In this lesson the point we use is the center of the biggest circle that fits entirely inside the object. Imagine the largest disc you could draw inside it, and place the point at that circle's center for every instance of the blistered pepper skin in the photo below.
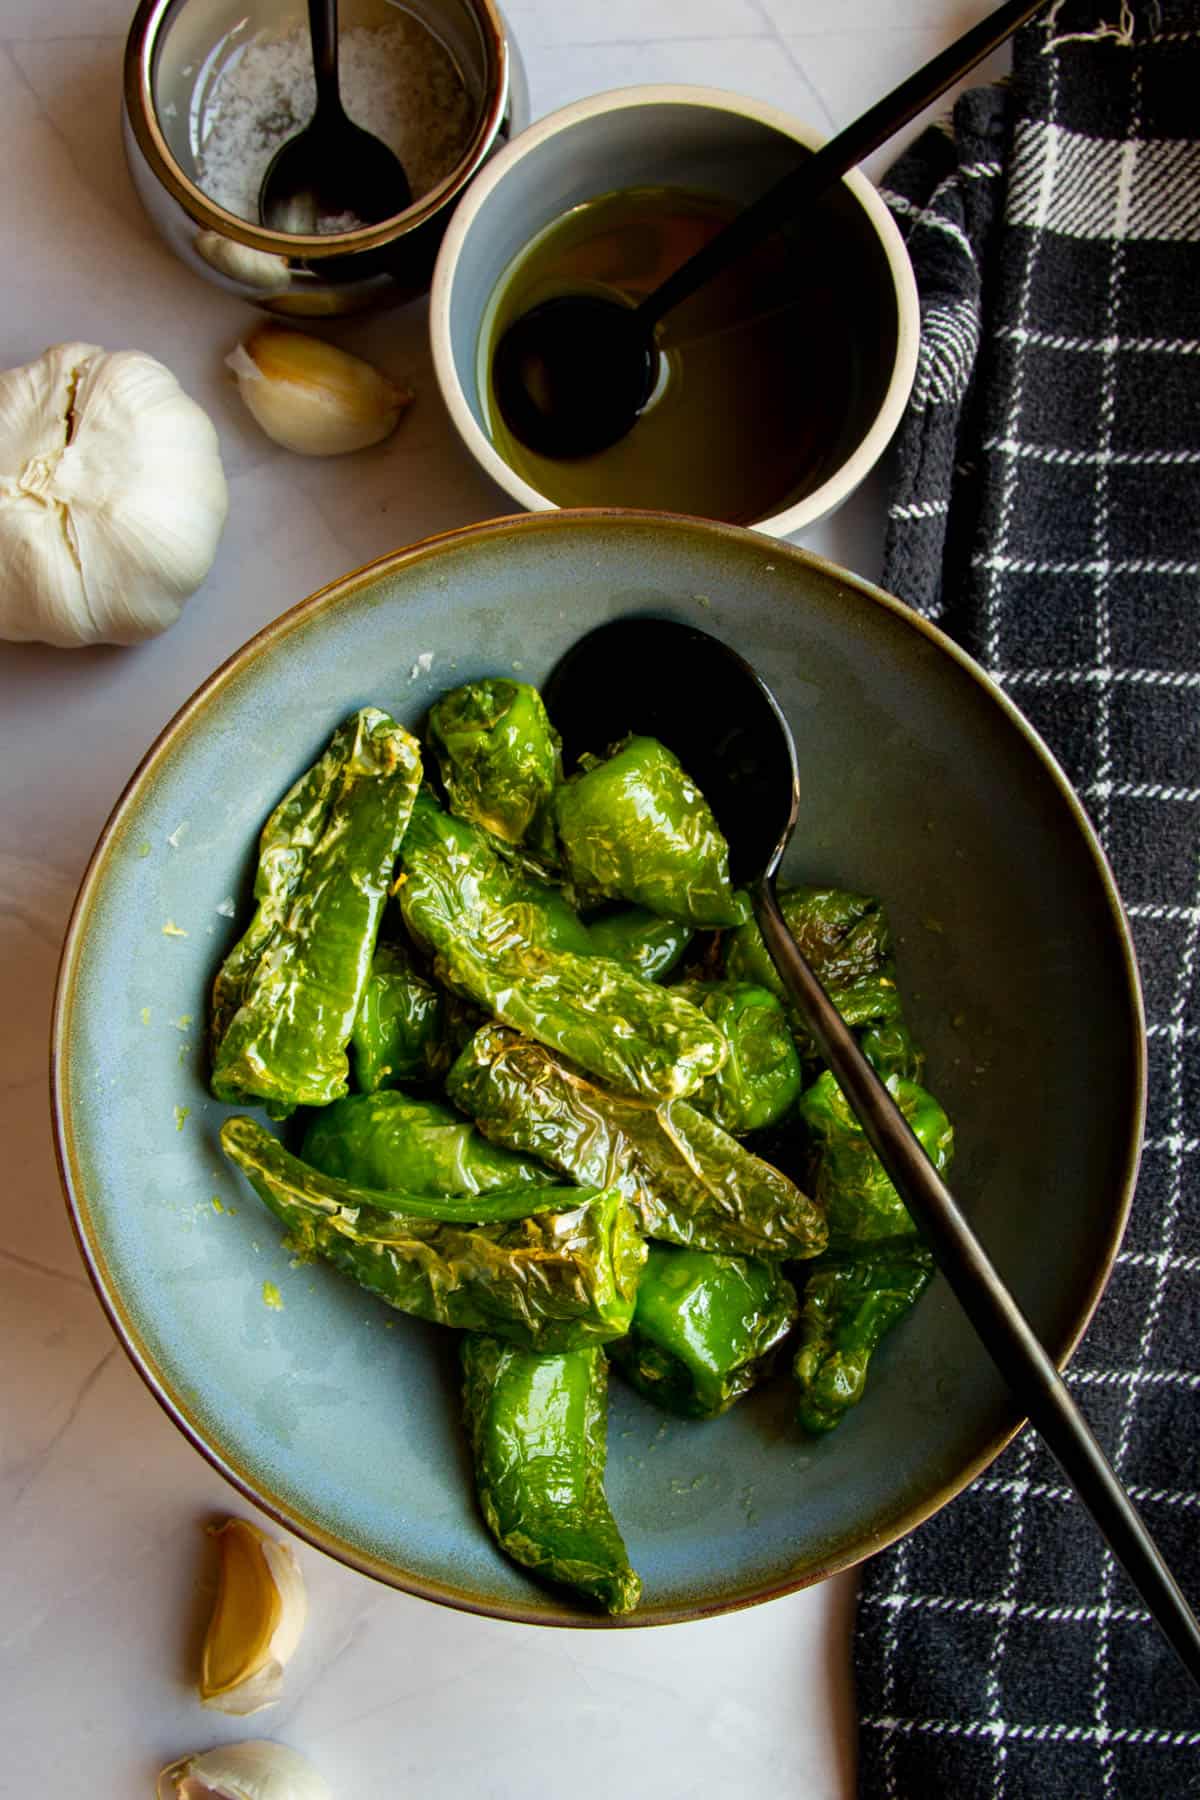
(556, 1268)
(286, 998)
(705, 1329)
(690, 1182)
(461, 900)
(845, 938)
(394, 1142)
(634, 826)
(537, 1430)
(761, 1079)
(499, 758)
(850, 1302)
(849, 1182)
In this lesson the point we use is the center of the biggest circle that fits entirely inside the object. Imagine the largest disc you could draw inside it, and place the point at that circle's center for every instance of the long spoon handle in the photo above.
(323, 30)
(797, 190)
(992, 1310)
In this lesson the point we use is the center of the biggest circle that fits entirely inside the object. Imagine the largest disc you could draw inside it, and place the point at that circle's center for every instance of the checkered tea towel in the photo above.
(1046, 512)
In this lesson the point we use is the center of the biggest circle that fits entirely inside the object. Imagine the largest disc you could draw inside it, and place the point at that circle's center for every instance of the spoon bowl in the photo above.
(332, 175)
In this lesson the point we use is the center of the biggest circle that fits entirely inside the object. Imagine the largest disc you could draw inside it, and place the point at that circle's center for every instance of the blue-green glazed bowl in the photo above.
(921, 783)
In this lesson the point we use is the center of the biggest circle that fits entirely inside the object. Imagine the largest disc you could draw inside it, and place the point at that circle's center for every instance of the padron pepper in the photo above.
(850, 1301)
(690, 1182)
(537, 1431)
(845, 938)
(644, 941)
(286, 997)
(553, 1269)
(392, 1141)
(705, 1329)
(400, 1029)
(634, 826)
(461, 900)
(761, 1078)
(849, 1182)
(890, 1049)
(499, 758)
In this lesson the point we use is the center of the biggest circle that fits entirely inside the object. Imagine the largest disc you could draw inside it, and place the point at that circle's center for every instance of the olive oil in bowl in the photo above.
(768, 374)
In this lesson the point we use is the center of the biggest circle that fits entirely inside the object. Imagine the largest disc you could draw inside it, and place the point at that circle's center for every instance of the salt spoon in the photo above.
(332, 174)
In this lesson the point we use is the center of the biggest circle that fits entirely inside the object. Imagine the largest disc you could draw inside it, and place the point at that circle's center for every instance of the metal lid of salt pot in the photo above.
(293, 275)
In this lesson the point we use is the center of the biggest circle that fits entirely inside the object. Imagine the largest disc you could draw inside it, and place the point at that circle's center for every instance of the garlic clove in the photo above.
(310, 396)
(255, 1770)
(256, 1623)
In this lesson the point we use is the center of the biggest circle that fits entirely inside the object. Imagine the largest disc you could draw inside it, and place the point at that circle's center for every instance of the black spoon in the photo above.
(725, 725)
(332, 170)
(572, 374)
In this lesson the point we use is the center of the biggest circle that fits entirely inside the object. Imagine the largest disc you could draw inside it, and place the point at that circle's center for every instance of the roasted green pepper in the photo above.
(537, 1429)
(499, 758)
(286, 997)
(643, 940)
(845, 938)
(849, 1303)
(689, 1181)
(634, 826)
(890, 1050)
(849, 1181)
(400, 1031)
(704, 1328)
(391, 1141)
(556, 1269)
(761, 1078)
(461, 900)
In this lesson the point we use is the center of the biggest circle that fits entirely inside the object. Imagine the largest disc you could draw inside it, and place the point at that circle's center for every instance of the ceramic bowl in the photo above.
(177, 53)
(921, 784)
(713, 141)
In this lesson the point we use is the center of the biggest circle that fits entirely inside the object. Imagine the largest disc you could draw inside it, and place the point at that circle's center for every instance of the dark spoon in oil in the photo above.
(572, 374)
(726, 727)
(333, 169)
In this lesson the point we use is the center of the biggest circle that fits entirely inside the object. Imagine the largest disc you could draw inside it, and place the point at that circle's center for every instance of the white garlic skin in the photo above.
(254, 1770)
(265, 1685)
(312, 397)
(112, 497)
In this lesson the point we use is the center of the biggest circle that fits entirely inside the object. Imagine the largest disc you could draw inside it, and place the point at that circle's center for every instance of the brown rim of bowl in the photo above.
(138, 88)
(444, 1593)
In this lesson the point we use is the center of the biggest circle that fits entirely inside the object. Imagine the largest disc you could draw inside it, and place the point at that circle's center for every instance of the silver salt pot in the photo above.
(175, 51)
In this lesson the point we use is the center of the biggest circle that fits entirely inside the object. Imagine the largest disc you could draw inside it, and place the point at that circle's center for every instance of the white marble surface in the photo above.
(104, 1573)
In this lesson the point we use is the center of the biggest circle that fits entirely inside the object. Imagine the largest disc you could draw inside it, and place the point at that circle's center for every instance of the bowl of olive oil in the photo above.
(779, 383)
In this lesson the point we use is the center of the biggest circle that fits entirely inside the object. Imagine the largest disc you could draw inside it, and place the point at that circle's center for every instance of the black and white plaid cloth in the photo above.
(1047, 513)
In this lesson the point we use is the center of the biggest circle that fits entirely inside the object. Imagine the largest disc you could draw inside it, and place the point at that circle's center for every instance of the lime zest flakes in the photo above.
(218, 1205)
(171, 929)
(272, 1296)
(144, 847)
(182, 1022)
(181, 1114)
(145, 1015)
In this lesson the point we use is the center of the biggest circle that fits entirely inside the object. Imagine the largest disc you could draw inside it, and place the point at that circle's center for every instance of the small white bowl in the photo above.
(695, 137)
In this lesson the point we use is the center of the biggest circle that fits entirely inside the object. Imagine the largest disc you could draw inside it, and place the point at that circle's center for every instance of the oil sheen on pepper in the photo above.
(761, 368)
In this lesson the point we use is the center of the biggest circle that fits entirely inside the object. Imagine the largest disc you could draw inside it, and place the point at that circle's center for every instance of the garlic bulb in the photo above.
(256, 1622)
(255, 1770)
(312, 397)
(112, 497)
